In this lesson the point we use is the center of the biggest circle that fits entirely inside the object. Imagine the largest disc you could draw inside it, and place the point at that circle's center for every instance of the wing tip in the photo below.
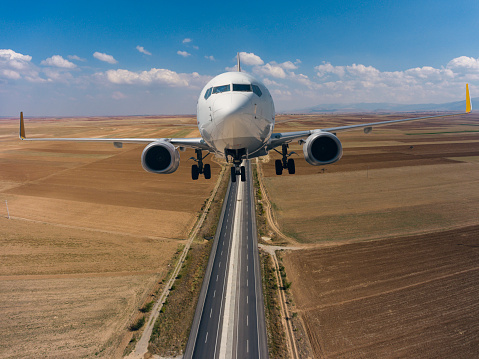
(468, 100)
(22, 127)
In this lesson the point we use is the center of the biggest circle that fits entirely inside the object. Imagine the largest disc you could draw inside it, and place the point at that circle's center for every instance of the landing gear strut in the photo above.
(237, 169)
(285, 162)
(199, 168)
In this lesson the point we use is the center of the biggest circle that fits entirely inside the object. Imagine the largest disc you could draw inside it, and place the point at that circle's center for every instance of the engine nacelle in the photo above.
(322, 148)
(160, 157)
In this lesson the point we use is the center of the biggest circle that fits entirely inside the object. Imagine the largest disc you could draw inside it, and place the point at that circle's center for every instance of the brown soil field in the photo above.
(410, 297)
(395, 181)
(390, 236)
(90, 235)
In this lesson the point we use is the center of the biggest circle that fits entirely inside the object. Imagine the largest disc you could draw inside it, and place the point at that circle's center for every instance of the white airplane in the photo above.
(236, 117)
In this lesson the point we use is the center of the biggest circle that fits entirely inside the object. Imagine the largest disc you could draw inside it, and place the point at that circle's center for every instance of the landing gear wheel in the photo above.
(207, 171)
(195, 172)
(233, 174)
(279, 167)
(243, 174)
(291, 167)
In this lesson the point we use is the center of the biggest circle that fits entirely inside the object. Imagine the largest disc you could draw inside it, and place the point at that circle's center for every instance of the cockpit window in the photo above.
(220, 89)
(242, 88)
(208, 93)
(256, 90)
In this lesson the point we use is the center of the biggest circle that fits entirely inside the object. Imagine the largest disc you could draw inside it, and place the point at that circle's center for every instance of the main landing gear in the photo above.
(285, 162)
(199, 168)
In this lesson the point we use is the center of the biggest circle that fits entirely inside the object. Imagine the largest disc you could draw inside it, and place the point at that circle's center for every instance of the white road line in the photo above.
(219, 265)
(247, 345)
(247, 300)
(211, 311)
(206, 337)
(247, 320)
(217, 277)
(246, 282)
(214, 293)
(247, 268)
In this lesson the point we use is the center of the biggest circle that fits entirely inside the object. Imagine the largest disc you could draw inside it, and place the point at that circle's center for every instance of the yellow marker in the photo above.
(468, 100)
(22, 127)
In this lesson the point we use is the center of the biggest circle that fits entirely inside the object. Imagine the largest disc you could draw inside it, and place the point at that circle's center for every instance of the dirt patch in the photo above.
(405, 297)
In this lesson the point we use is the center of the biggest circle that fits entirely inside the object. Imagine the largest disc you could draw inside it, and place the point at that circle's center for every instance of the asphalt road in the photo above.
(229, 320)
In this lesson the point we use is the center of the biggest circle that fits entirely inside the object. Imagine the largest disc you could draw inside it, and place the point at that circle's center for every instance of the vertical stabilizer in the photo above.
(239, 64)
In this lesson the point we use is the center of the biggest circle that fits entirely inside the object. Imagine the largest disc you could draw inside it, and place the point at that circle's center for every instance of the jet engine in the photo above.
(322, 148)
(160, 157)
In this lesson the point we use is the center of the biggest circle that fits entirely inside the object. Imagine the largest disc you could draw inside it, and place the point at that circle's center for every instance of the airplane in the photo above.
(236, 117)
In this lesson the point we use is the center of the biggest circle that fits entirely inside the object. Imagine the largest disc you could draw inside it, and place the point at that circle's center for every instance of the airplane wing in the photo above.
(277, 139)
(196, 143)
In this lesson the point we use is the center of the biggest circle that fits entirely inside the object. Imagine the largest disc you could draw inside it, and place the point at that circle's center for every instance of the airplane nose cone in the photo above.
(230, 104)
(232, 115)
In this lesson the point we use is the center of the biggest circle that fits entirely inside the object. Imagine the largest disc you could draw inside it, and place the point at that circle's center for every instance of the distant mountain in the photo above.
(387, 107)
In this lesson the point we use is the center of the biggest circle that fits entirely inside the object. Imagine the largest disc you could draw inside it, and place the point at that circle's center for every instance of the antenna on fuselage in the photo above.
(239, 65)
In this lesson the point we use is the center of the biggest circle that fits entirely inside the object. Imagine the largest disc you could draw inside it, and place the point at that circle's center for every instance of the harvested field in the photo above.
(388, 183)
(410, 297)
(90, 235)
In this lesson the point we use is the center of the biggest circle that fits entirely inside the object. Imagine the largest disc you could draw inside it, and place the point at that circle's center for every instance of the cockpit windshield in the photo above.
(220, 89)
(236, 88)
(242, 87)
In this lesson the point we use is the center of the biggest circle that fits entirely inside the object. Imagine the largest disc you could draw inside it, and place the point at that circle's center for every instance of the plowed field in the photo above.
(411, 297)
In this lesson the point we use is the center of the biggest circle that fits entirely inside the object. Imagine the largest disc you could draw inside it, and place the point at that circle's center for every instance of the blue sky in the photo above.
(153, 57)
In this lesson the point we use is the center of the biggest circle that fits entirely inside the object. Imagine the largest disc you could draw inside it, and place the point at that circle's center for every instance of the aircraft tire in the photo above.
(195, 172)
(279, 167)
(207, 171)
(291, 167)
(243, 174)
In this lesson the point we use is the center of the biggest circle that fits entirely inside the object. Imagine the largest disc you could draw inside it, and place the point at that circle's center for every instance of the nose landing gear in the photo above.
(238, 170)
(199, 168)
(285, 162)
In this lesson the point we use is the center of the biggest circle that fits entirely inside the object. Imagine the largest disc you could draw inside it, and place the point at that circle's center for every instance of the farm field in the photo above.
(389, 239)
(395, 181)
(91, 233)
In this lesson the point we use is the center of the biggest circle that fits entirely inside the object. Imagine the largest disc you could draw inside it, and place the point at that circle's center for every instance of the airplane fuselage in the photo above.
(236, 113)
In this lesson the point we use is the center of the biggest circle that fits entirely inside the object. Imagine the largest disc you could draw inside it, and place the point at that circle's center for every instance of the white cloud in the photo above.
(14, 59)
(248, 58)
(158, 76)
(210, 58)
(183, 53)
(142, 50)
(75, 57)
(104, 57)
(117, 95)
(10, 74)
(58, 61)
(57, 75)
(154, 76)
(270, 69)
(187, 40)
(288, 65)
(14, 66)
(464, 63)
